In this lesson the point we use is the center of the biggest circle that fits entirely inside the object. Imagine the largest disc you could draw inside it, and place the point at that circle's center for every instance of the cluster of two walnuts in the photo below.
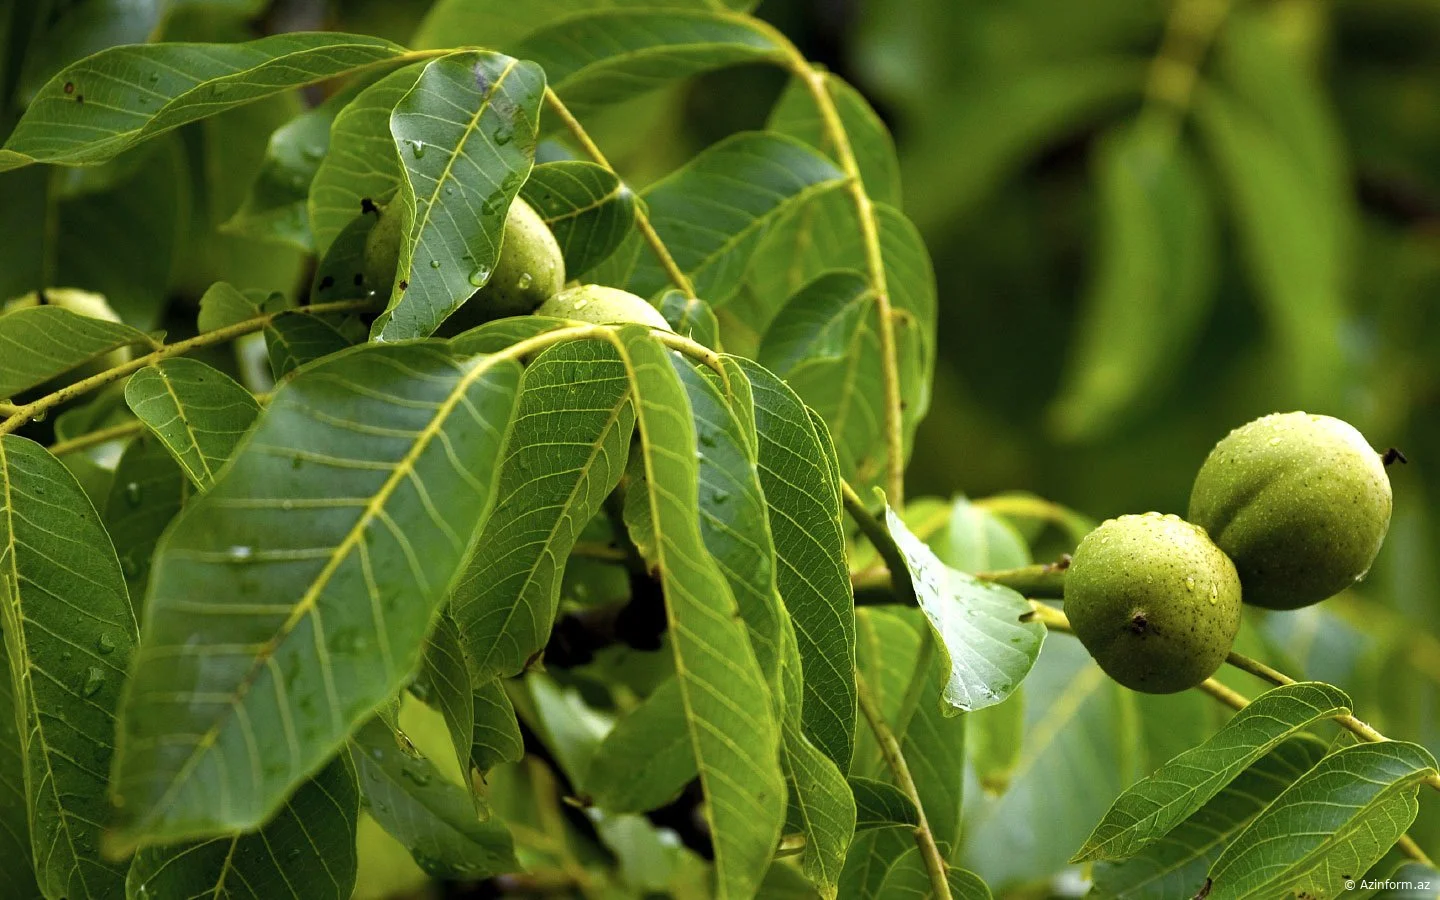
(529, 277)
(1286, 511)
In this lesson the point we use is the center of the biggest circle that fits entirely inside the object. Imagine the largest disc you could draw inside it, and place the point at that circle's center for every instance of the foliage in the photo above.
(308, 596)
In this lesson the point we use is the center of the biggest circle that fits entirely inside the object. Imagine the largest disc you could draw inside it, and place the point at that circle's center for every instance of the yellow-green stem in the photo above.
(28, 411)
(895, 759)
(99, 436)
(642, 221)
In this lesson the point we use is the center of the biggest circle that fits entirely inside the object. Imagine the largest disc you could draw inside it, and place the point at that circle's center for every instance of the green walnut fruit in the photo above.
(1300, 502)
(1155, 602)
(602, 306)
(530, 270)
(382, 250)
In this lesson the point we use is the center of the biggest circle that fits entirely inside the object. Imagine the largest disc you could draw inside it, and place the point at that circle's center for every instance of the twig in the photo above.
(1175, 69)
(642, 221)
(895, 759)
(219, 336)
(99, 436)
(1043, 580)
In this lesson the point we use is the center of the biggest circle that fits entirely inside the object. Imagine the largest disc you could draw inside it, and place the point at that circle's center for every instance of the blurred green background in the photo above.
(1150, 222)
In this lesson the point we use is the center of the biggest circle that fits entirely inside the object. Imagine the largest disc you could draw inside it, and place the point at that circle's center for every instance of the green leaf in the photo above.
(140, 222)
(466, 136)
(795, 114)
(147, 492)
(804, 500)
(444, 683)
(1082, 747)
(276, 206)
(691, 317)
(306, 852)
(573, 423)
(607, 56)
(1152, 283)
(197, 411)
(988, 644)
(587, 207)
(502, 24)
(993, 737)
(432, 816)
(1298, 261)
(16, 866)
(295, 339)
(42, 342)
(1175, 865)
(879, 804)
(713, 212)
(496, 738)
(908, 878)
(647, 758)
(362, 162)
(975, 540)
(1152, 807)
(97, 107)
(293, 598)
(1003, 119)
(69, 635)
(1336, 820)
(735, 735)
(224, 304)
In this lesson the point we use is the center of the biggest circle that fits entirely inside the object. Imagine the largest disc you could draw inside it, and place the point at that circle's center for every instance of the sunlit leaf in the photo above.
(587, 207)
(432, 816)
(466, 136)
(95, 108)
(41, 342)
(69, 635)
(1335, 821)
(306, 851)
(565, 453)
(986, 640)
(797, 115)
(1152, 807)
(293, 597)
(1175, 865)
(197, 411)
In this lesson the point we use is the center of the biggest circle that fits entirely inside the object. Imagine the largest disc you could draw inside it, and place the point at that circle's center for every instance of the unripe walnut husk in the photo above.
(602, 306)
(1155, 602)
(529, 270)
(1300, 502)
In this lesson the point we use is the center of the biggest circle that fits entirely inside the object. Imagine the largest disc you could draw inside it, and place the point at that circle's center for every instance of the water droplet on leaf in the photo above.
(94, 680)
(479, 276)
(105, 643)
(132, 493)
(239, 553)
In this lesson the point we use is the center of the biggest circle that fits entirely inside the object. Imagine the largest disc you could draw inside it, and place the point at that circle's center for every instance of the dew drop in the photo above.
(581, 303)
(1273, 441)
(707, 439)
(434, 263)
(94, 680)
(40, 416)
(239, 553)
(417, 148)
(105, 643)
(1190, 582)
(287, 504)
(479, 275)
(153, 77)
(719, 497)
(524, 281)
(417, 775)
(502, 136)
(132, 493)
